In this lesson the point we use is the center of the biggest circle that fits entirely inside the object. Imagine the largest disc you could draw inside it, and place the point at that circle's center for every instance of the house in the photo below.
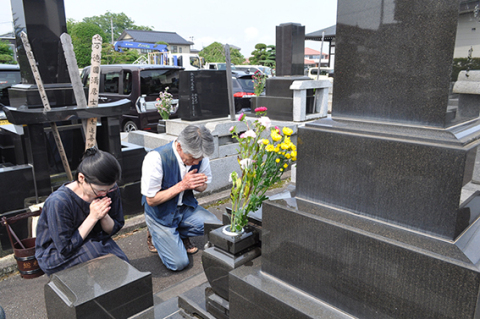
(313, 56)
(176, 44)
(328, 36)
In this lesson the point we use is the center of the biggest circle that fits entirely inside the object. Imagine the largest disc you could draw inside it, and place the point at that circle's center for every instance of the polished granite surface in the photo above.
(393, 60)
(367, 268)
(103, 287)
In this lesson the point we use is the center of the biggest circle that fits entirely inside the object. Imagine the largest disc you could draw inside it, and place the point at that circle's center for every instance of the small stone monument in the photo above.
(105, 287)
(203, 95)
(289, 96)
(377, 229)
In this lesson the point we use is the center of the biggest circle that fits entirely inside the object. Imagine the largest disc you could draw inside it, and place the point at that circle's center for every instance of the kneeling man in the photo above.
(170, 173)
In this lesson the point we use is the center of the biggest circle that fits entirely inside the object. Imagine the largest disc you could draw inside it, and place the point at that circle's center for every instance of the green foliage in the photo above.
(70, 23)
(460, 64)
(6, 53)
(259, 81)
(120, 22)
(82, 33)
(110, 56)
(215, 52)
(263, 55)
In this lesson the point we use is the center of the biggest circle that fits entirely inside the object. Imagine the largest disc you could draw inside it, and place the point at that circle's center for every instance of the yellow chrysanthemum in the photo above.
(270, 148)
(281, 169)
(285, 165)
(277, 160)
(275, 136)
(287, 156)
(294, 159)
(293, 147)
(287, 131)
(277, 148)
(294, 153)
(284, 146)
(265, 141)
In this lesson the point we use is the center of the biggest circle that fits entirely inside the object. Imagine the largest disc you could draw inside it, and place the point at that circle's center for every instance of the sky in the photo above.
(240, 23)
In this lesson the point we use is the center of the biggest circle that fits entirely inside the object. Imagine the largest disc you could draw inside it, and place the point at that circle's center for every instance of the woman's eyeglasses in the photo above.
(99, 192)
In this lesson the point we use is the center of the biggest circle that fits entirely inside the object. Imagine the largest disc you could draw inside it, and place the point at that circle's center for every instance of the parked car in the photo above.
(243, 90)
(254, 68)
(141, 84)
(218, 66)
(325, 73)
(9, 75)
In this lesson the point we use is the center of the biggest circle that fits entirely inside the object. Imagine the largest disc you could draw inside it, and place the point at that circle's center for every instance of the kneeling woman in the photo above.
(79, 219)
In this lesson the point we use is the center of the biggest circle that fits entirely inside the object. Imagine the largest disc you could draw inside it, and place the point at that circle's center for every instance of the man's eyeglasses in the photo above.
(99, 192)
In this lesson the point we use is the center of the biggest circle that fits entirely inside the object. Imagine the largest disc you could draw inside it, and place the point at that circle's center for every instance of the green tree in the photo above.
(70, 23)
(6, 53)
(110, 56)
(215, 52)
(263, 55)
(120, 23)
(82, 33)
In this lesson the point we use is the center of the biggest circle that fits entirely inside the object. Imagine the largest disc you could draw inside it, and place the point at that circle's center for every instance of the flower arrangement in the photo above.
(164, 104)
(259, 81)
(262, 162)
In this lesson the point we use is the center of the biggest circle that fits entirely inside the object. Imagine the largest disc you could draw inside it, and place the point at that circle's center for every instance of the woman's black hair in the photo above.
(99, 167)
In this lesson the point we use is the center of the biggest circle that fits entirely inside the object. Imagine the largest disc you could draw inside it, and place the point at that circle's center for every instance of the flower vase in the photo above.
(253, 103)
(162, 126)
(226, 231)
(228, 251)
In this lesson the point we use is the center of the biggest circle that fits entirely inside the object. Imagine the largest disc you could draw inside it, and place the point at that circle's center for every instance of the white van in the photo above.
(218, 66)
(325, 73)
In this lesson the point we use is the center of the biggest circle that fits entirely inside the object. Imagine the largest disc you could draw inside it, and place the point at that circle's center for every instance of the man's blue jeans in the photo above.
(188, 222)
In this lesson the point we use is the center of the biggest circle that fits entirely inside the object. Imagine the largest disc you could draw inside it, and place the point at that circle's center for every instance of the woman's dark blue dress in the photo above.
(59, 244)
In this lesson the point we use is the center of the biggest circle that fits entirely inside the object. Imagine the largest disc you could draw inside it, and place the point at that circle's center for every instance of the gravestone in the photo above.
(104, 287)
(290, 49)
(377, 229)
(279, 98)
(203, 95)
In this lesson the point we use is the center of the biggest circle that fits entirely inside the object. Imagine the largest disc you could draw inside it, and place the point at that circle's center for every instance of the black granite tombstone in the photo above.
(278, 98)
(105, 287)
(203, 95)
(290, 49)
(377, 229)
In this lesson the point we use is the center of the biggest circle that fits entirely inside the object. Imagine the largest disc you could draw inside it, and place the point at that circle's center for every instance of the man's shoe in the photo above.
(189, 246)
(150, 246)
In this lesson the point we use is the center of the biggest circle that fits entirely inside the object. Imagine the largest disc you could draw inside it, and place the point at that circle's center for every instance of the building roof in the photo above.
(317, 35)
(7, 35)
(154, 36)
(308, 62)
(309, 51)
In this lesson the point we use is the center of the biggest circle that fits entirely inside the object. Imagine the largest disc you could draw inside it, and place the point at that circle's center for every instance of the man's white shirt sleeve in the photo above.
(152, 174)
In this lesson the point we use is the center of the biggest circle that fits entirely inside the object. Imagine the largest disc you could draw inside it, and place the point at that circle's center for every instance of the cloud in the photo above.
(251, 33)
